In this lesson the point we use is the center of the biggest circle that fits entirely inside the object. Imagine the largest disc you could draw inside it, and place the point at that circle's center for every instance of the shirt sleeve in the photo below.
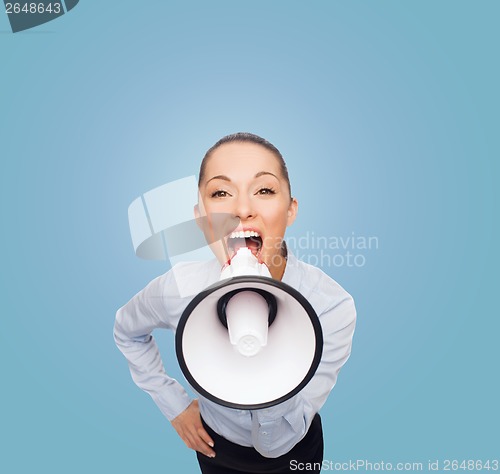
(275, 430)
(133, 329)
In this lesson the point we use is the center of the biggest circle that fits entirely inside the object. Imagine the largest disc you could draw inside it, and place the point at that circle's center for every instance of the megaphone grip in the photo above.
(224, 300)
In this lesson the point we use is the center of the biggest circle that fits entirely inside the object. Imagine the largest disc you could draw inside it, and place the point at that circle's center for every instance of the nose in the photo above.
(243, 208)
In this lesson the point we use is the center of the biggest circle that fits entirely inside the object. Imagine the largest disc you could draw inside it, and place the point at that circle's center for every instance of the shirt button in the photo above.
(264, 433)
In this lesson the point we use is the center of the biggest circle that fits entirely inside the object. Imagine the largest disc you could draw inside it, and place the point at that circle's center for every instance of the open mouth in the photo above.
(245, 238)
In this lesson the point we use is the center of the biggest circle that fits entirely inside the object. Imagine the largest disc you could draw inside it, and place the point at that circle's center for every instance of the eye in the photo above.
(266, 191)
(219, 194)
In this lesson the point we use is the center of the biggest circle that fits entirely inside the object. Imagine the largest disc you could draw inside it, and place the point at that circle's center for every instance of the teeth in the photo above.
(244, 234)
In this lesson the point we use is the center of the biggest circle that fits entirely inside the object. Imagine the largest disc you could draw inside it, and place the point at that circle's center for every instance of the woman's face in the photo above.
(244, 180)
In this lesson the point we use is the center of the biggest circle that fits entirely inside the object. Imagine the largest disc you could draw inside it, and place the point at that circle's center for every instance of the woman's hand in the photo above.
(188, 426)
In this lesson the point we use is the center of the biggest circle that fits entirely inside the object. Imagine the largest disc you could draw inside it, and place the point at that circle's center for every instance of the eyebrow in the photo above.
(262, 173)
(258, 175)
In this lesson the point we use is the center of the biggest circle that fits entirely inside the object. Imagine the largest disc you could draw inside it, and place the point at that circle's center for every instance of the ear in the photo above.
(292, 212)
(197, 216)
(199, 212)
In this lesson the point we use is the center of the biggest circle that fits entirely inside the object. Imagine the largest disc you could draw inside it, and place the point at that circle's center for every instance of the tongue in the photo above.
(249, 243)
(253, 245)
(238, 244)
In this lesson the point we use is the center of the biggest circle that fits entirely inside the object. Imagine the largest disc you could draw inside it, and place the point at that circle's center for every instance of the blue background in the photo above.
(387, 114)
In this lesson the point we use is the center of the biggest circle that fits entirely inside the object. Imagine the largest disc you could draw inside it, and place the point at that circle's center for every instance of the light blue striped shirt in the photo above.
(271, 431)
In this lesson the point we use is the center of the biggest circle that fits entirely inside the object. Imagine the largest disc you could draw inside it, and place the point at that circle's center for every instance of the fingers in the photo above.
(188, 426)
(205, 437)
(200, 441)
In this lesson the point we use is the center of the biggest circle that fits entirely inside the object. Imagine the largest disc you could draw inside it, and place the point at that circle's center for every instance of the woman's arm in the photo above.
(133, 329)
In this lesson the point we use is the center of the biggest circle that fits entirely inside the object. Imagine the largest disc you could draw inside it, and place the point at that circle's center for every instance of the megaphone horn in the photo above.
(249, 342)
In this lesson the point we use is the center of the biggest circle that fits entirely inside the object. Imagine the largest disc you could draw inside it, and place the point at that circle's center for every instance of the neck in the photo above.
(277, 271)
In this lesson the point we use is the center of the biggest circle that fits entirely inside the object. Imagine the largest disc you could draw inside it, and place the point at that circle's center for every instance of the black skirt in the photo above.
(233, 459)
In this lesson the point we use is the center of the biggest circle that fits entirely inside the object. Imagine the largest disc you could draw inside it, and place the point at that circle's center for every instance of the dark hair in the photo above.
(244, 137)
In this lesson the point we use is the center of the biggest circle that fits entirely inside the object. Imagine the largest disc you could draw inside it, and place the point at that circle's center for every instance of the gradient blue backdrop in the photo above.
(387, 113)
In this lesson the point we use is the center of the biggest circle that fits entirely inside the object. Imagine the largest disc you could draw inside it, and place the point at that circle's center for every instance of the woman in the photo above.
(245, 176)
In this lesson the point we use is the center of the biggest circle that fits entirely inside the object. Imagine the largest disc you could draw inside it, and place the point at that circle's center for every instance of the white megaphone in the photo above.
(248, 341)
